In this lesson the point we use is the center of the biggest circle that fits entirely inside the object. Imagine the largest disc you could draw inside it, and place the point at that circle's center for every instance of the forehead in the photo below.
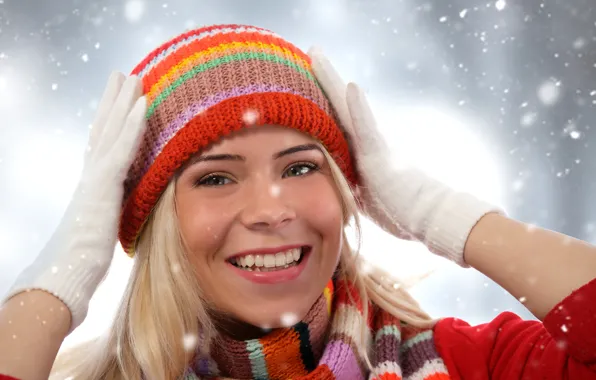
(267, 137)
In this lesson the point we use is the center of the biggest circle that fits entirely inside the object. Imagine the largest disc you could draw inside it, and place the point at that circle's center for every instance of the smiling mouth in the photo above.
(270, 262)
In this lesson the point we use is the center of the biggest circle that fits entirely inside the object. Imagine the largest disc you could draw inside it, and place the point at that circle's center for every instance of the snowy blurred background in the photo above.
(495, 97)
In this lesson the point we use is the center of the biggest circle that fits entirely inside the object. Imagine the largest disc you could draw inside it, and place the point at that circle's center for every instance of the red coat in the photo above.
(563, 347)
(509, 348)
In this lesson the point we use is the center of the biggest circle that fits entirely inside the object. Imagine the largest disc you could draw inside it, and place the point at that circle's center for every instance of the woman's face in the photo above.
(262, 224)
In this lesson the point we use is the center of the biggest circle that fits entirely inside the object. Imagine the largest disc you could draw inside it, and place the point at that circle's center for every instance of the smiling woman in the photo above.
(230, 165)
(244, 187)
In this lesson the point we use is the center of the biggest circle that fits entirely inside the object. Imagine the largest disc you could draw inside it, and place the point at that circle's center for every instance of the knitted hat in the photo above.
(204, 85)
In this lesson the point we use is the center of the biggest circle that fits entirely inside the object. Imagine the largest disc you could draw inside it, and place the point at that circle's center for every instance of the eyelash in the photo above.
(311, 167)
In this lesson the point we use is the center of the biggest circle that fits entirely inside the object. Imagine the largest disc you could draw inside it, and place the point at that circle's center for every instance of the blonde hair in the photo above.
(148, 341)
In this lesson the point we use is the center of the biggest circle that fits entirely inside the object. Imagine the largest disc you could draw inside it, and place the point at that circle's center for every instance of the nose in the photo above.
(266, 208)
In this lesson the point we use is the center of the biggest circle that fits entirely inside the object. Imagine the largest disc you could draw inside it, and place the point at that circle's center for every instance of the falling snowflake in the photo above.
(85, 58)
(500, 5)
(289, 319)
(517, 185)
(275, 190)
(190, 342)
(365, 267)
(571, 130)
(579, 43)
(528, 119)
(413, 65)
(549, 92)
(134, 10)
(463, 13)
(250, 117)
(190, 24)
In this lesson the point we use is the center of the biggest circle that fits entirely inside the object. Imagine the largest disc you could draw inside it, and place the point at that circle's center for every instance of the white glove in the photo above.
(79, 253)
(402, 200)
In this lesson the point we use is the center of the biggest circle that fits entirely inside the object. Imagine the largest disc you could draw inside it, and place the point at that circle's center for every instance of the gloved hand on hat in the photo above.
(79, 253)
(402, 200)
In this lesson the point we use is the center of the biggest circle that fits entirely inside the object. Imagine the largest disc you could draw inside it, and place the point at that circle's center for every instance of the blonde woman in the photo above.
(229, 165)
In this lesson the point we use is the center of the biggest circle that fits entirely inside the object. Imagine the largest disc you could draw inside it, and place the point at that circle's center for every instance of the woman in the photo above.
(234, 205)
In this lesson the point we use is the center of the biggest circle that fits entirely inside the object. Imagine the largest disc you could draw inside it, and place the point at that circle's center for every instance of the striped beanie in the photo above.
(212, 81)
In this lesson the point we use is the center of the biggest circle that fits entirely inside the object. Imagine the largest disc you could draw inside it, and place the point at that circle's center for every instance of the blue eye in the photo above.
(213, 180)
(300, 169)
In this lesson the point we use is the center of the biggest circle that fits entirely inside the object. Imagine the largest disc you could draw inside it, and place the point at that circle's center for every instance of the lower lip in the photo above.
(274, 277)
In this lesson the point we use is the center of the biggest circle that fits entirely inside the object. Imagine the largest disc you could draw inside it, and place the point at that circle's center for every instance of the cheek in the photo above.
(201, 232)
(320, 205)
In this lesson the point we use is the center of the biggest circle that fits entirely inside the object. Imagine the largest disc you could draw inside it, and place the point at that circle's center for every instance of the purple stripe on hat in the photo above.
(166, 134)
(341, 360)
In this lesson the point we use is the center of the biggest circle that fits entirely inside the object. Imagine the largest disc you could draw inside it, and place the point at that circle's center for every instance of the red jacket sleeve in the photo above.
(4, 377)
(561, 347)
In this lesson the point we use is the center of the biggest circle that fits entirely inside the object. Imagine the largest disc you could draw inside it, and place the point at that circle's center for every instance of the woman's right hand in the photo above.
(79, 253)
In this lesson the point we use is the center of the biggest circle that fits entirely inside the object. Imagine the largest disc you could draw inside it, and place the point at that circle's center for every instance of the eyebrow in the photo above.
(295, 149)
(237, 157)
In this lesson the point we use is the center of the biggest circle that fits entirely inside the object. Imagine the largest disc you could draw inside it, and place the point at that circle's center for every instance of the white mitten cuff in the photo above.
(71, 283)
(449, 225)
(75, 259)
(432, 212)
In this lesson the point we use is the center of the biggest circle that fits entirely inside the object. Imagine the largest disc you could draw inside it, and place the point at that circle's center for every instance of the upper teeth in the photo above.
(279, 259)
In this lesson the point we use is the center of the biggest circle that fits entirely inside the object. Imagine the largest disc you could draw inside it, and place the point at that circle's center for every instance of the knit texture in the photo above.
(209, 82)
(323, 346)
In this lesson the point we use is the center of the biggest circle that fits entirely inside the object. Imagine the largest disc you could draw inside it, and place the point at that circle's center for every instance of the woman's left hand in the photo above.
(400, 199)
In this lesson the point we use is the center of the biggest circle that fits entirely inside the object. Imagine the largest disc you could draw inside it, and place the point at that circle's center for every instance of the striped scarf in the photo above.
(323, 346)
